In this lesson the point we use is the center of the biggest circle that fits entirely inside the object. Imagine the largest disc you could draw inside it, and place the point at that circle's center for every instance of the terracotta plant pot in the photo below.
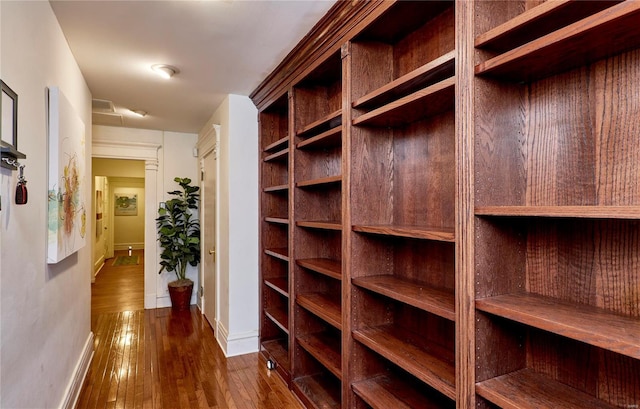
(180, 294)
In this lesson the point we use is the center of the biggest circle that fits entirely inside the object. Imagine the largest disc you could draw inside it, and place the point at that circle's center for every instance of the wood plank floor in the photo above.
(163, 359)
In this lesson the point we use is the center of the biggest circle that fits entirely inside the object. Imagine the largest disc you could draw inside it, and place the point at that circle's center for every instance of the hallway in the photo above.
(163, 359)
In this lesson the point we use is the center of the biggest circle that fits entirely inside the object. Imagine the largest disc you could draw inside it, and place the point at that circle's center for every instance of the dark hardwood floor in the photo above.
(163, 359)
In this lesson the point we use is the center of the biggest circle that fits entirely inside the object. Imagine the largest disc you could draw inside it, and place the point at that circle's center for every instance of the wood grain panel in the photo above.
(528, 390)
(590, 325)
(428, 368)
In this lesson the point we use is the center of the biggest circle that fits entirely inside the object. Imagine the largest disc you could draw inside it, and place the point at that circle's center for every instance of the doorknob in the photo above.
(212, 252)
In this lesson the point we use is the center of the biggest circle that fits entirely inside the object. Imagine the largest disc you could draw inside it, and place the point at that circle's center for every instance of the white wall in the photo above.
(177, 152)
(45, 310)
(238, 314)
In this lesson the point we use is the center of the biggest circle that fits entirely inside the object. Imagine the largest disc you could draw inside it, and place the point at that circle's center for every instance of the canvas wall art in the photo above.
(67, 215)
(126, 204)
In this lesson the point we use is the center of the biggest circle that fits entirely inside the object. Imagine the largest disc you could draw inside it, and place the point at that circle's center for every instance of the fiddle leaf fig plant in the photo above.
(179, 230)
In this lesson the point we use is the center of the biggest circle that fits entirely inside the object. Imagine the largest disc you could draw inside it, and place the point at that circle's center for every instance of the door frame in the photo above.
(207, 144)
(147, 152)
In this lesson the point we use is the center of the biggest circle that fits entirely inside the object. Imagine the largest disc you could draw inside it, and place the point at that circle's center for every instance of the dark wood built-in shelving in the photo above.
(324, 266)
(279, 284)
(278, 350)
(429, 101)
(383, 392)
(323, 307)
(438, 69)
(280, 155)
(584, 323)
(419, 295)
(574, 45)
(320, 225)
(329, 121)
(539, 21)
(323, 390)
(450, 208)
(320, 181)
(276, 189)
(526, 389)
(428, 368)
(416, 232)
(279, 317)
(330, 138)
(580, 212)
(281, 253)
(325, 349)
(278, 220)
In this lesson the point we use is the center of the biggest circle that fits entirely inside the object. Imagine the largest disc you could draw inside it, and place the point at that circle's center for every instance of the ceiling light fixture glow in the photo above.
(164, 70)
(139, 112)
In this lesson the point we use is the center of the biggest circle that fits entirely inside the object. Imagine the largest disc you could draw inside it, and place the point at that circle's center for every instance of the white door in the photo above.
(208, 227)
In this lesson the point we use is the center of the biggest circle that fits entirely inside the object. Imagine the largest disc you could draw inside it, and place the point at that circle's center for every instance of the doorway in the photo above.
(148, 153)
(118, 244)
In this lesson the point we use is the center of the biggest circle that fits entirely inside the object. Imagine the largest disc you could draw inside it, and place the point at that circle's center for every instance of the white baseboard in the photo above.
(236, 344)
(97, 266)
(150, 301)
(125, 246)
(79, 374)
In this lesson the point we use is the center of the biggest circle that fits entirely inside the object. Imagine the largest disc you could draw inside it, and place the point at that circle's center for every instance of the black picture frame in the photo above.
(8, 116)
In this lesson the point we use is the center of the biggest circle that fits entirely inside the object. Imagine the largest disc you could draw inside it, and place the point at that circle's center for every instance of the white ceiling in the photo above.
(220, 47)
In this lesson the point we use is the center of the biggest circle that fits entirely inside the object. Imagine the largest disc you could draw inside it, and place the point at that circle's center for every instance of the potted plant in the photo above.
(179, 237)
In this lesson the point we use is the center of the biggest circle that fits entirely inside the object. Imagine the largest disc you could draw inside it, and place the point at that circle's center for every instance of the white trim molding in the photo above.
(70, 398)
(147, 152)
(124, 150)
(236, 344)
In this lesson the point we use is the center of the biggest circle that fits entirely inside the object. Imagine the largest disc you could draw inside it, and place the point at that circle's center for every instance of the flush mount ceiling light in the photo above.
(139, 112)
(165, 71)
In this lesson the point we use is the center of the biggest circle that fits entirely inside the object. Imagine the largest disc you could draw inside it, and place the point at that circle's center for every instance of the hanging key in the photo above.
(21, 188)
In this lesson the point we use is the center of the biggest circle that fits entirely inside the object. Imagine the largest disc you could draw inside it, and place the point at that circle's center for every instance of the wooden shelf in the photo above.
(603, 34)
(277, 349)
(328, 139)
(277, 220)
(320, 181)
(279, 317)
(276, 189)
(416, 232)
(9, 156)
(277, 144)
(430, 101)
(323, 307)
(280, 284)
(591, 325)
(419, 295)
(428, 368)
(278, 156)
(537, 22)
(325, 349)
(320, 391)
(320, 225)
(324, 266)
(433, 71)
(332, 120)
(526, 389)
(383, 392)
(581, 212)
(279, 252)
